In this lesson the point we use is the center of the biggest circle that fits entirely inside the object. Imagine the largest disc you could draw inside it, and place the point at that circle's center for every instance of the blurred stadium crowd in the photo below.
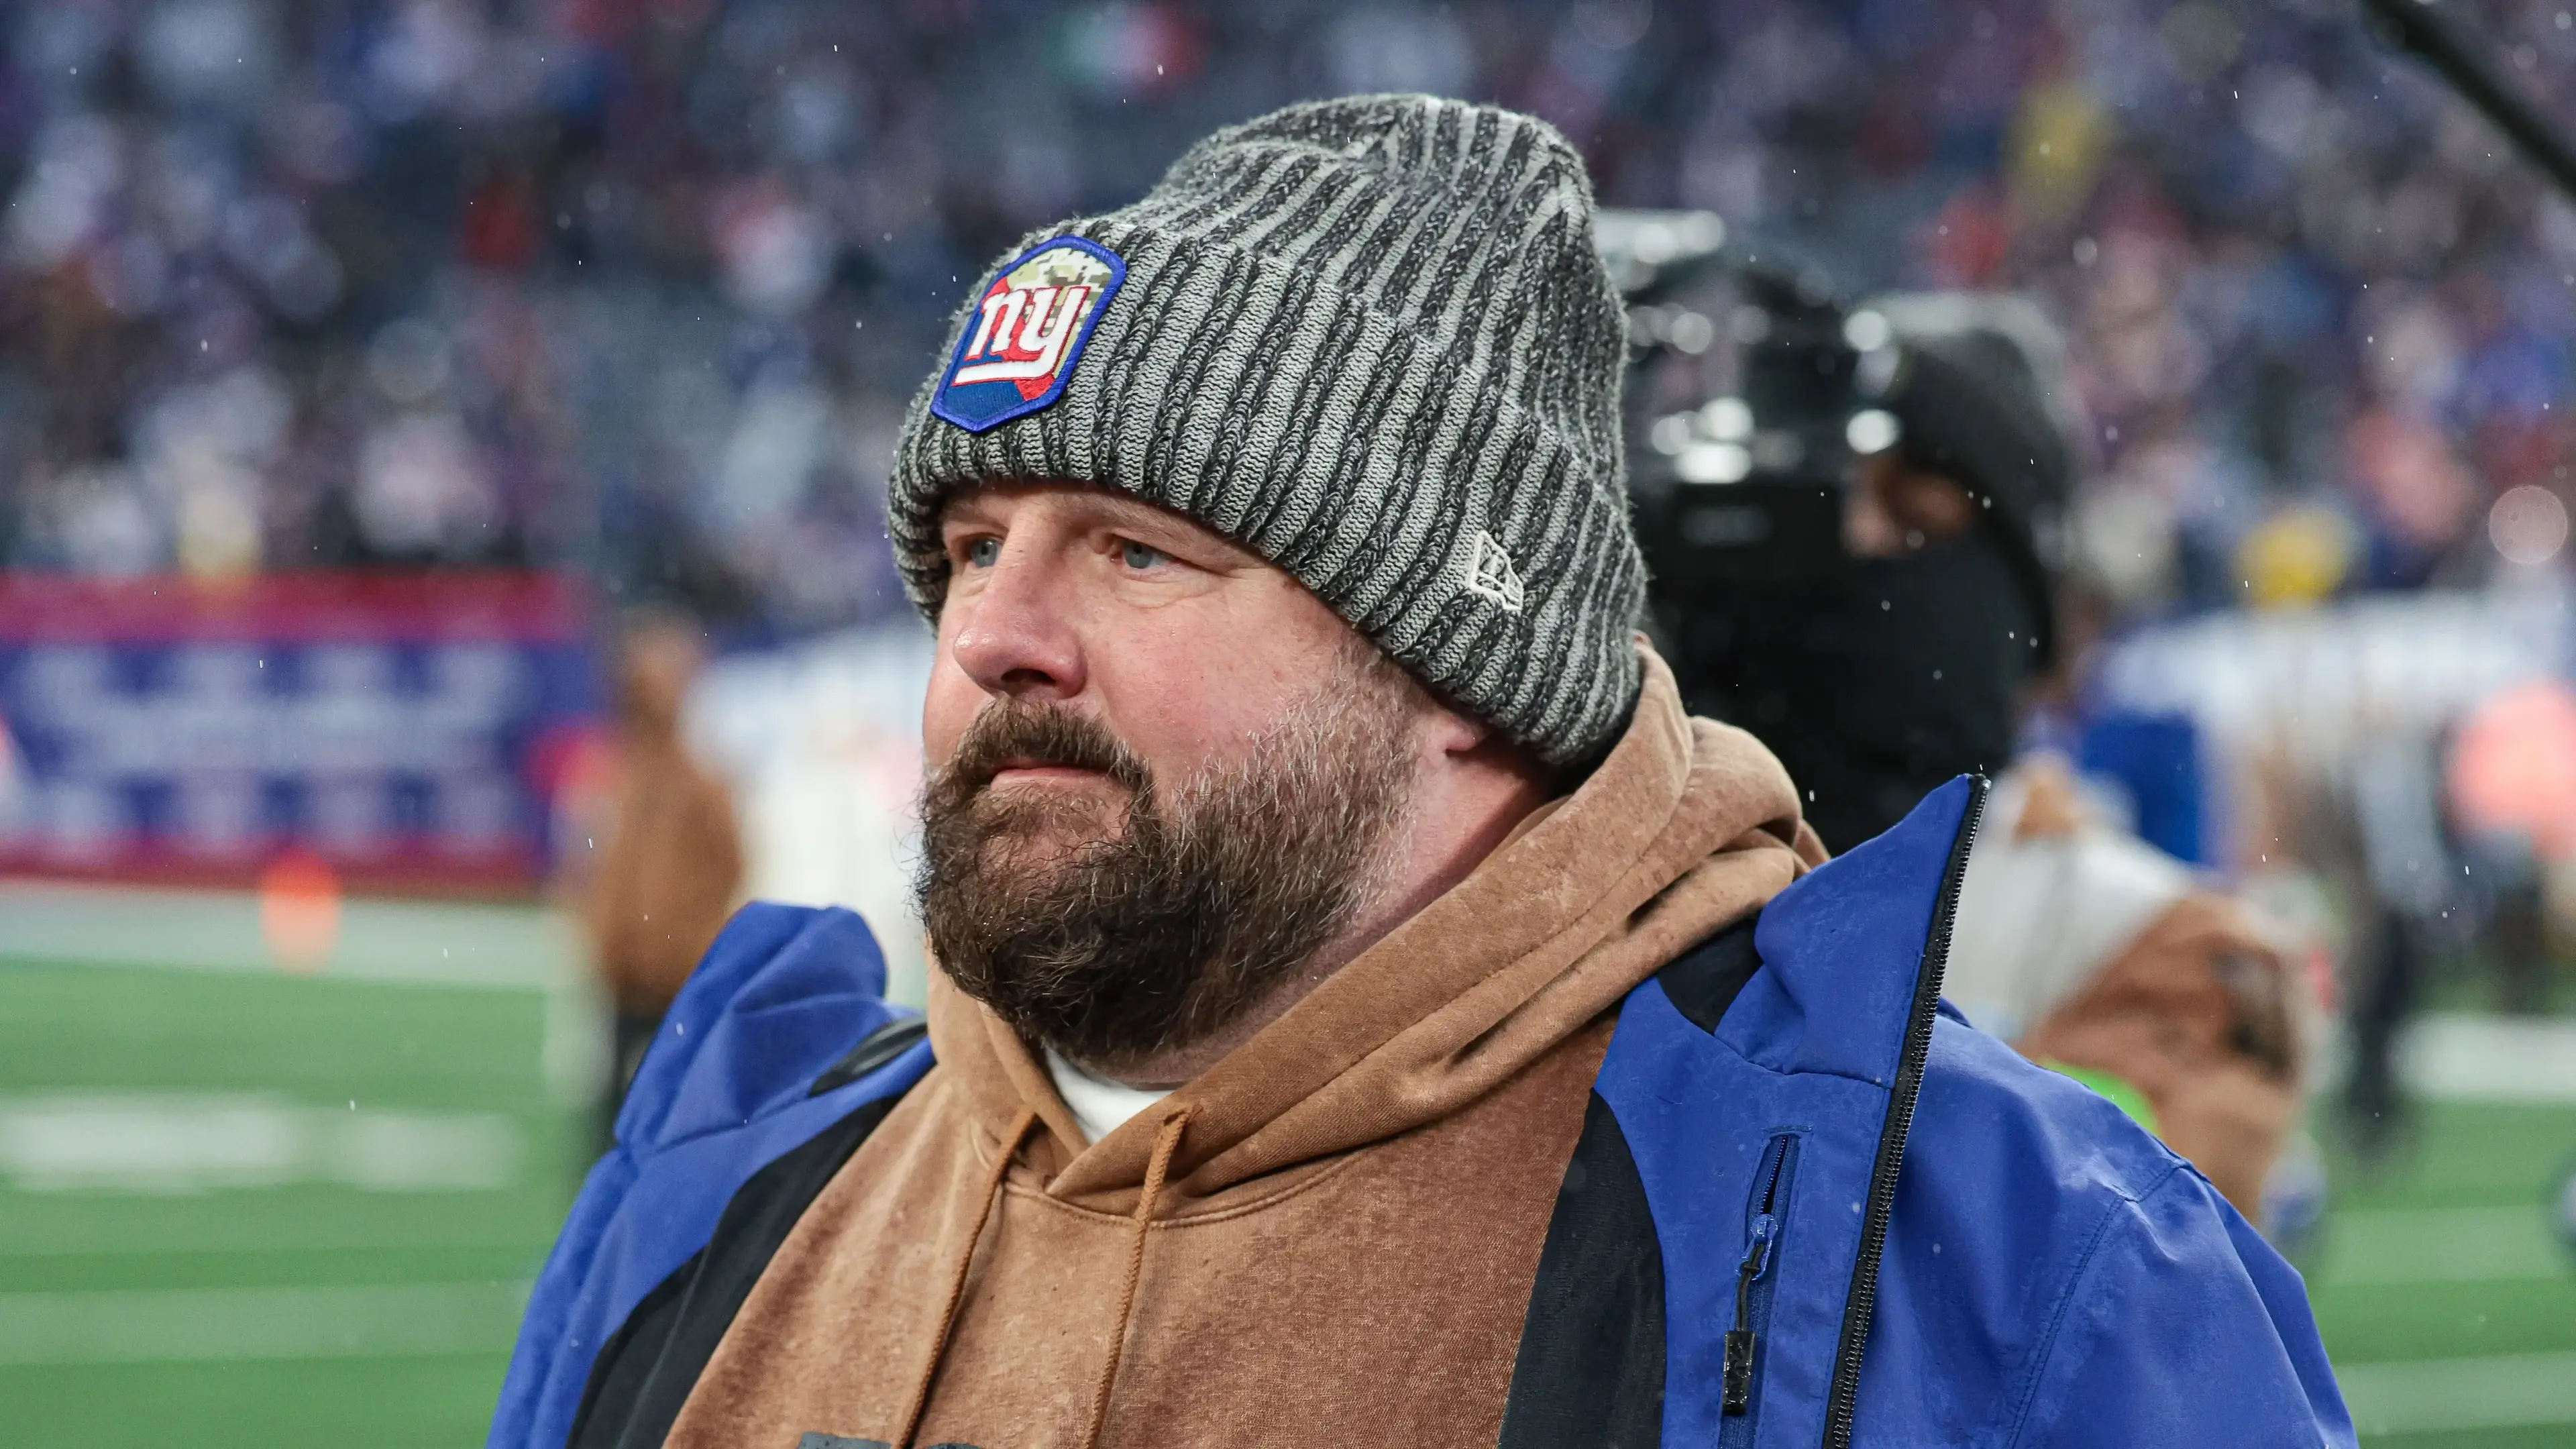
(641, 286)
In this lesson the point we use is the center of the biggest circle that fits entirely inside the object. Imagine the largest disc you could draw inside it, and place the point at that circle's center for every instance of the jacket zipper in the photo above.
(1765, 1215)
(1843, 1405)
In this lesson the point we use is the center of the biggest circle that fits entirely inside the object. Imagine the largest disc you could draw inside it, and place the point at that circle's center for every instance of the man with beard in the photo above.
(1370, 1010)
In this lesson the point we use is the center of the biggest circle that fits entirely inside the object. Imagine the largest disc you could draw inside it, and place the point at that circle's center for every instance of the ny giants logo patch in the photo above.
(1019, 349)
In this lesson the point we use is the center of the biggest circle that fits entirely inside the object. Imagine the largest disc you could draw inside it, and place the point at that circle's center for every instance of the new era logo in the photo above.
(1027, 332)
(1490, 573)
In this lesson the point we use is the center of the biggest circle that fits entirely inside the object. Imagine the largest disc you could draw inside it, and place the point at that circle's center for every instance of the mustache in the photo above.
(1153, 921)
(1010, 733)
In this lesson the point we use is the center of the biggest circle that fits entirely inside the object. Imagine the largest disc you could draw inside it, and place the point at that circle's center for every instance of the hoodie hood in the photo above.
(1686, 827)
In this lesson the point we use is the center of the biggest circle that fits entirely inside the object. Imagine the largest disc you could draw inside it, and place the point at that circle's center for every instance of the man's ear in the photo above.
(1466, 740)
(1457, 734)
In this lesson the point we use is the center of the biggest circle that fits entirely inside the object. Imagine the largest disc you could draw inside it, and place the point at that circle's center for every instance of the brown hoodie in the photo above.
(1330, 1237)
(667, 876)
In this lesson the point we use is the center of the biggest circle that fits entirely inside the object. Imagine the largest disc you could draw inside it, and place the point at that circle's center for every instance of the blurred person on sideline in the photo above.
(2404, 887)
(2091, 950)
(1369, 1009)
(668, 864)
(2512, 796)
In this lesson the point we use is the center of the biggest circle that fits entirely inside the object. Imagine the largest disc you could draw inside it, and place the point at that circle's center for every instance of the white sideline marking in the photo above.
(2510, 1391)
(424, 942)
(417, 1320)
(2379, 1247)
(419, 943)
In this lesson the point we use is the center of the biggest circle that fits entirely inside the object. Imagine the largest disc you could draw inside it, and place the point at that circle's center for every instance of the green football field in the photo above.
(239, 1207)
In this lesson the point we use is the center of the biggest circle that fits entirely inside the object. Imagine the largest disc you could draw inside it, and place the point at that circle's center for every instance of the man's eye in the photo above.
(983, 553)
(1140, 557)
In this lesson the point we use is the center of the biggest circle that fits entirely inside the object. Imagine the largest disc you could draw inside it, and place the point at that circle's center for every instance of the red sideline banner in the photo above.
(402, 728)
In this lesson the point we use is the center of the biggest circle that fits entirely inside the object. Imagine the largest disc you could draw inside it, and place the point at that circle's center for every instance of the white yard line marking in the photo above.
(417, 1320)
(2456, 1057)
(2509, 1391)
(263, 1234)
(169, 1143)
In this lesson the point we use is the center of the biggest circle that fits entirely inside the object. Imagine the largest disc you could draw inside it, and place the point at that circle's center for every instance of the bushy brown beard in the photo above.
(1112, 935)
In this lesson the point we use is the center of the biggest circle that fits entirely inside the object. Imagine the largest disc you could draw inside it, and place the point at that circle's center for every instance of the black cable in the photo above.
(2420, 28)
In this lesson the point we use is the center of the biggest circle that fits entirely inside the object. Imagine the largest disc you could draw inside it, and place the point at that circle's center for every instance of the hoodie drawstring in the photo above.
(1002, 1159)
(1157, 1168)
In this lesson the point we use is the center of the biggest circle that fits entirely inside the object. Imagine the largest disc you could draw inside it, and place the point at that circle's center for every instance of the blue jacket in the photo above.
(1810, 1206)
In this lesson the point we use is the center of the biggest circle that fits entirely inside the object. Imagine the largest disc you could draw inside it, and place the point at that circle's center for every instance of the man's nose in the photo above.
(1017, 640)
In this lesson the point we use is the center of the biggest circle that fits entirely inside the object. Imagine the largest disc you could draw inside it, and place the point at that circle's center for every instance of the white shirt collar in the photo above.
(1100, 1106)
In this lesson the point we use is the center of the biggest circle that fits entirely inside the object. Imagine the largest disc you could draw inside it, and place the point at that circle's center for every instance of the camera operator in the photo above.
(1881, 635)
(1882, 667)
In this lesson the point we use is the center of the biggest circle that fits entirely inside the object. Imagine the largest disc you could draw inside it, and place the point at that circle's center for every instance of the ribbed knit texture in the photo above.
(1370, 340)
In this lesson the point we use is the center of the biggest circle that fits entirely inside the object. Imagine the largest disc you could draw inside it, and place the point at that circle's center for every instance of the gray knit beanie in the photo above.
(1370, 340)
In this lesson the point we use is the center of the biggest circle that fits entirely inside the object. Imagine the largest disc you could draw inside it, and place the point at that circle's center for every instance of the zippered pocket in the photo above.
(1766, 1214)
